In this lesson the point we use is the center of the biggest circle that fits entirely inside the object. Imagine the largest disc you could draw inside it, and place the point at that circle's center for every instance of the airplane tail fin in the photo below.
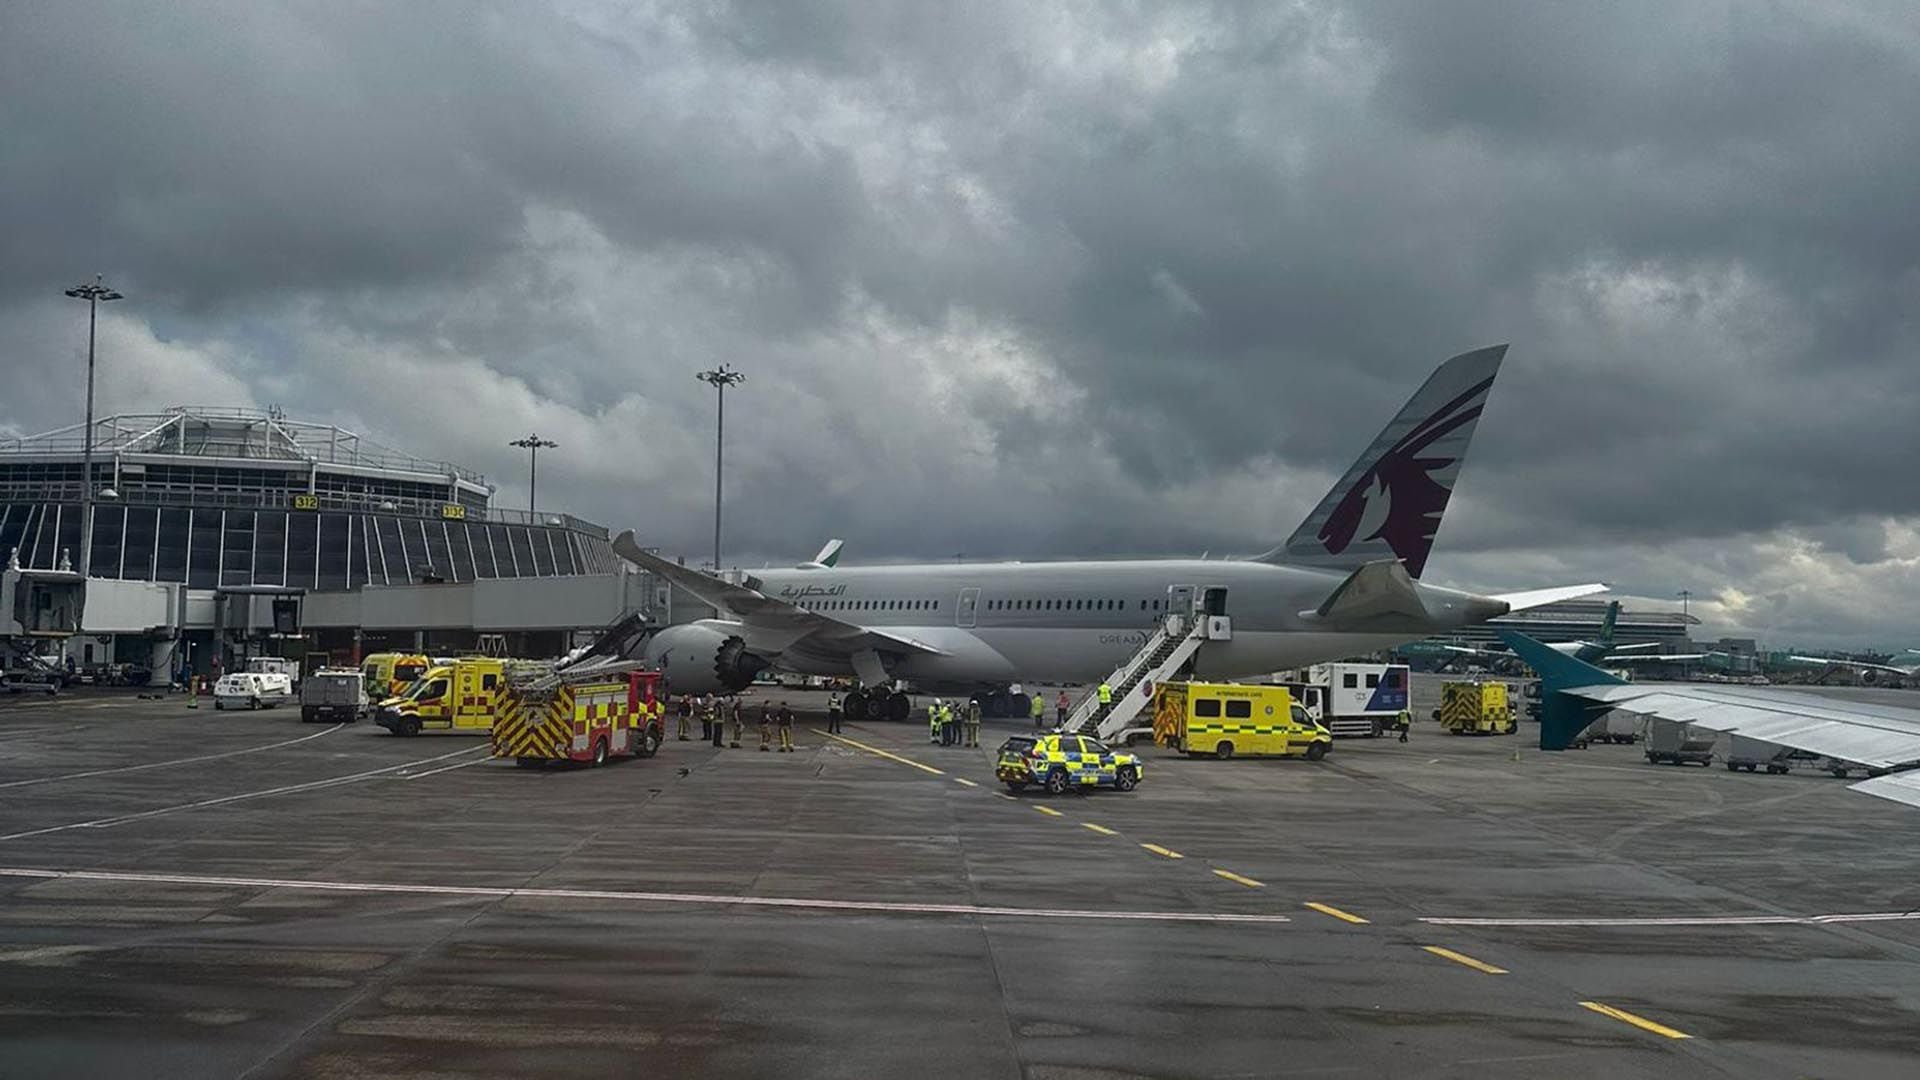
(1606, 624)
(1562, 716)
(1389, 504)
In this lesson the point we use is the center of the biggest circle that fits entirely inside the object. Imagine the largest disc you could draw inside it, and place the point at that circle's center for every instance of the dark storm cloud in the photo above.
(1020, 279)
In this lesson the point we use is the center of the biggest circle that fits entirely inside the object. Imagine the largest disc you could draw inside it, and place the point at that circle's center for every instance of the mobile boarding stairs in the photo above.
(1169, 651)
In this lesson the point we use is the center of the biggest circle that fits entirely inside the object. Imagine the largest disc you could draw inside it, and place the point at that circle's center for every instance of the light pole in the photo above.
(721, 378)
(1686, 595)
(93, 293)
(533, 445)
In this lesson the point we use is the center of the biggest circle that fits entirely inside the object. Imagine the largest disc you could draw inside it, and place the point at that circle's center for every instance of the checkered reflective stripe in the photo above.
(1198, 728)
(535, 729)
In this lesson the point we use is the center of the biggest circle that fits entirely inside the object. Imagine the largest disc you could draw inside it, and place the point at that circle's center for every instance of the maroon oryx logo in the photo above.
(1397, 499)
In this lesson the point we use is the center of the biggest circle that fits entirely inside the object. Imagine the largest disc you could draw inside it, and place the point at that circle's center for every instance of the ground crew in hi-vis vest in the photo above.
(973, 721)
(933, 721)
(948, 734)
(1403, 723)
(738, 722)
(833, 713)
(1106, 695)
(766, 727)
(1038, 706)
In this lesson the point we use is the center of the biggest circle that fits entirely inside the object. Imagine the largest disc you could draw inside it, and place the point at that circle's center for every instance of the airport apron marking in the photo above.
(1641, 1022)
(702, 899)
(890, 756)
(1684, 920)
(1463, 958)
(165, 764)
(311, 785)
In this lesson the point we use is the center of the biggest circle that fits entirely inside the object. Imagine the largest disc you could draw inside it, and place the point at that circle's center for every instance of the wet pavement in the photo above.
(192, 893)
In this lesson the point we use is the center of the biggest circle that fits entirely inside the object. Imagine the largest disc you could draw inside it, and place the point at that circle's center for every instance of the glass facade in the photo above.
(321, 550)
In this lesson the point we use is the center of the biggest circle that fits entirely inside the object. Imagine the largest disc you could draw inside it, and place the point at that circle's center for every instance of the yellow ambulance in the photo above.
(464, 695)
(1233, 720)
(390, 673)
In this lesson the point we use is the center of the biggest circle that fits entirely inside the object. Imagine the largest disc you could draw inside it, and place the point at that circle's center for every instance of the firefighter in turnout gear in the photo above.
(766, 727)
(973, 721)
(1039, 707)
(933, 721)
(785, 719)
(739, 720)
(686, 715)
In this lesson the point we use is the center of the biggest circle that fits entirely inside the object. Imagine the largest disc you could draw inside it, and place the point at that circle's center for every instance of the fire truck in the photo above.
(600, 716)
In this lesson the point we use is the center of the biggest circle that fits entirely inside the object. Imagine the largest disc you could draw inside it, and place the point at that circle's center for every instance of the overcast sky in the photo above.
(1021, 279)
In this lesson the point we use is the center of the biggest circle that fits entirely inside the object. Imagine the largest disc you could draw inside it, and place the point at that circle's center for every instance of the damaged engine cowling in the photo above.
(706, 657)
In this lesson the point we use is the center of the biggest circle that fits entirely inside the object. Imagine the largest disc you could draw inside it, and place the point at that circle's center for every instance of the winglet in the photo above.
(1562, 716)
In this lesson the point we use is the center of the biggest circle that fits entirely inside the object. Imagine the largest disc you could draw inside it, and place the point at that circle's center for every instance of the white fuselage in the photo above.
(1076, 621)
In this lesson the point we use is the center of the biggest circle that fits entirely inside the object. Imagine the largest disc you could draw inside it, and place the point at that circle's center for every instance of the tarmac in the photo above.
(199, 893)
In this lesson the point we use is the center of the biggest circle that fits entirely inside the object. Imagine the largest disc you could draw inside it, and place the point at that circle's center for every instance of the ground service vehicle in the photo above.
(1063, 761)
(613, 715)
(1615, 727)
(1475, 708)
(275, 665)
(251, 690)
(389, 674)
(461, 696)
(1233, 719)
(1354, 700)
(333, 694)
(1678, 744)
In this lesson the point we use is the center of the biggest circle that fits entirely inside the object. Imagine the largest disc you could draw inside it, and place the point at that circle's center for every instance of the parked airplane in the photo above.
(1600, 651)
(1346, 582)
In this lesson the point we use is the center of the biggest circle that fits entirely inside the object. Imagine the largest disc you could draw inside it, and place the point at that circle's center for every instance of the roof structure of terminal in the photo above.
(262, 436)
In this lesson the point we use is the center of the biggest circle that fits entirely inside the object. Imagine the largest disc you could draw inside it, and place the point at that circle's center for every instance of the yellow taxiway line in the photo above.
(1231, 876)
(1101, 829)
(1463, 958)
(888, 754)
(1343, 916)
(1158, 850)
(1640, 1022)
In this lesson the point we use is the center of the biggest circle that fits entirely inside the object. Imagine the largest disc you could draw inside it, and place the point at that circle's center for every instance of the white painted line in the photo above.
(166, 764)
(447, 768)
(803, 903)
(311, 785)
(1683, 920)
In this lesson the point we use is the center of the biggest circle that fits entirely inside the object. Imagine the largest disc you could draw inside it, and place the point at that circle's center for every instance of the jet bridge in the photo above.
(37, 608)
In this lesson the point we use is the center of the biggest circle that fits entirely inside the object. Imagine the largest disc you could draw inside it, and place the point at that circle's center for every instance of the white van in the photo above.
(252, 690)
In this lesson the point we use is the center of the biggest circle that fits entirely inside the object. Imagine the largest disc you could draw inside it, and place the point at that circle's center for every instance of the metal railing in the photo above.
(304, 502)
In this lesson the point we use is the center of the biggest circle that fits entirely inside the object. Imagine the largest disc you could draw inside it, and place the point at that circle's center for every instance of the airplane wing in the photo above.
(1521, 601)
(1851, 665)
(1636, 645)
(1658, 658)
(1880, 738)
(776, 617)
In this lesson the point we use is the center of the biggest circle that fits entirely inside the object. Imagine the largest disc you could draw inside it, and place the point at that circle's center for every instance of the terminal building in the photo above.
(219, 533)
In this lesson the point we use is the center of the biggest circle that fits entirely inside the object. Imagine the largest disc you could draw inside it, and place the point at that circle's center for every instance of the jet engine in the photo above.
(707, 657)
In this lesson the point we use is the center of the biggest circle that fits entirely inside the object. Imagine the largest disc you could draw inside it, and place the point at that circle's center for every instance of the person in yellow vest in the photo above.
(1039, 709)
(1106, 695)
(933, 721)
(949, 734)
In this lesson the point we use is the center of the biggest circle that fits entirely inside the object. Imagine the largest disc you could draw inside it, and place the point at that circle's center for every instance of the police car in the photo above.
(1059, 761)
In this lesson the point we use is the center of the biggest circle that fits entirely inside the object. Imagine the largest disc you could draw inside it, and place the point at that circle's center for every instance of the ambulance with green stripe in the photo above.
(1234, 720)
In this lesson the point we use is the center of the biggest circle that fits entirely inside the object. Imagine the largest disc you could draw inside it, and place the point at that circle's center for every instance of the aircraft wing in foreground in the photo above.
(1882, 739)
